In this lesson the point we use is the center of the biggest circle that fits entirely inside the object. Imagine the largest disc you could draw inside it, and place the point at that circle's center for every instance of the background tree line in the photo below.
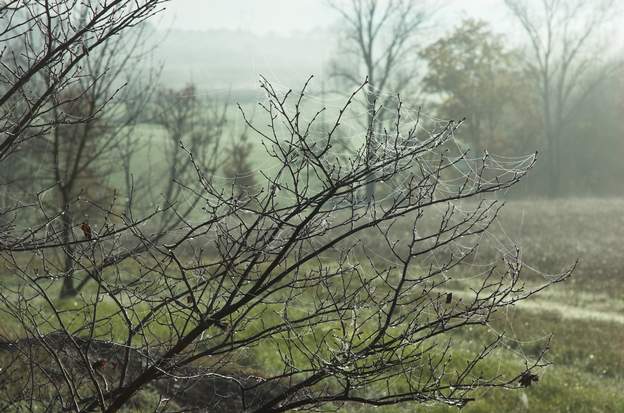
(556, 87)
(558, 93)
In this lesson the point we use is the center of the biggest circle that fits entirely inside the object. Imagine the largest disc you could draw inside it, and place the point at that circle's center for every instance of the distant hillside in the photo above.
(223, 60)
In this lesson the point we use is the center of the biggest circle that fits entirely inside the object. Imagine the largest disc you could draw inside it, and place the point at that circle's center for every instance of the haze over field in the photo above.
(222, 47)
(221, 44)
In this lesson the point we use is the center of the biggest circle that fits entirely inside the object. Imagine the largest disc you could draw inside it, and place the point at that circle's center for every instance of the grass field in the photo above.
(583, 317)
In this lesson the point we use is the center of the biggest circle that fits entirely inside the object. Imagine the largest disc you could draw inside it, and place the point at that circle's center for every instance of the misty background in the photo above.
(221, 47)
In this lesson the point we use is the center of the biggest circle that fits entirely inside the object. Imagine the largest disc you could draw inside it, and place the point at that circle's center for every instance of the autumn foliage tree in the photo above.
(476, 76)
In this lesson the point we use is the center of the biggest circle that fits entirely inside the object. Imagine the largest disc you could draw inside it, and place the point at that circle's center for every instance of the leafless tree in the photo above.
(44, 51)
(81, 151)
(238, 168)
(191, 125)
(288, 269)
(380, 39)
(567, 61)
(186, 124)
(51, 40)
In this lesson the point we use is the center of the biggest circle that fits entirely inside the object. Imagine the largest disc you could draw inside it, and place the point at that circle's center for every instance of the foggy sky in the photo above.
(305, 28)
(287, 16)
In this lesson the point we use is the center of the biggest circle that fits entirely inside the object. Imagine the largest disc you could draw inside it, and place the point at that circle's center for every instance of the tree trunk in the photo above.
(370, 152)
(68, 289)
(551, 142)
